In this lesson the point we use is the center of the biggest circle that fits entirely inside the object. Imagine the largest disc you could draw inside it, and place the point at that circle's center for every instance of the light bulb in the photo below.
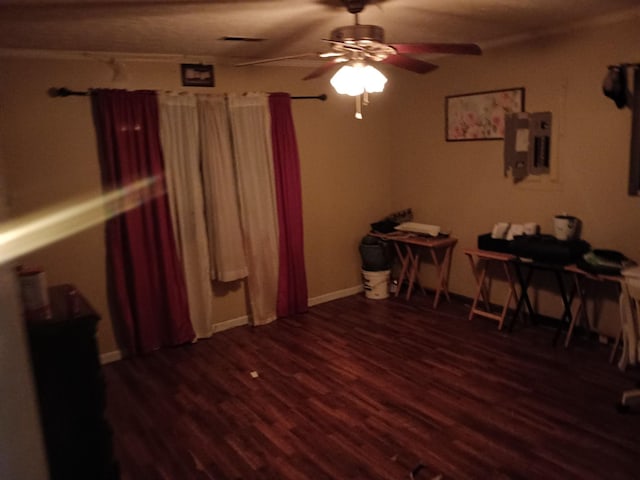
(373, 80)
(346, 81)
(358, 78)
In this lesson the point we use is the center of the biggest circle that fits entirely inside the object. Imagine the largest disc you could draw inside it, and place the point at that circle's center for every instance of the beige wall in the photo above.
(461, 184)
(52, 158)
(21, 444)
(354, 172)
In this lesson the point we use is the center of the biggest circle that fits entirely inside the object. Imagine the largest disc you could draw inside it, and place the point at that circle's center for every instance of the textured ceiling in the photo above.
(195, 28)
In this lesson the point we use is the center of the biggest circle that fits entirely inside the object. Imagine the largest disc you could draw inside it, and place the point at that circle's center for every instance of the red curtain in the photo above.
(146, 281)
(292, 281)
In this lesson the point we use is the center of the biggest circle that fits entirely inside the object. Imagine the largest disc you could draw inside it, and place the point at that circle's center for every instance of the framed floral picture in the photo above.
(480, 116)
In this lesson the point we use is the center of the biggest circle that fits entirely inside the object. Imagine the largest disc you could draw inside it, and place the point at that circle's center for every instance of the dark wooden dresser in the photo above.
(71, 390)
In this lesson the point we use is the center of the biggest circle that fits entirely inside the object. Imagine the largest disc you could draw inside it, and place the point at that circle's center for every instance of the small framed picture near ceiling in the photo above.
(197, 75)
(480, 116)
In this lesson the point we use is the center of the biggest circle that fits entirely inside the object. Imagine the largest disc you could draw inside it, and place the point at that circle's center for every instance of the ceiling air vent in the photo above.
(238, 38)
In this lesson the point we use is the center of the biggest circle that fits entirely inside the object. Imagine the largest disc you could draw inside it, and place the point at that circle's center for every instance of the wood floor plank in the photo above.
(369, 389)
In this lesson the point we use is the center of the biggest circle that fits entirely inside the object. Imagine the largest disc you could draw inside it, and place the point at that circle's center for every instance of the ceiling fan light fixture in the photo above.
(357, 78)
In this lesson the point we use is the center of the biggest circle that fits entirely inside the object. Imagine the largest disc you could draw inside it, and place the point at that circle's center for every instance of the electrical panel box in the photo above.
(527, 144)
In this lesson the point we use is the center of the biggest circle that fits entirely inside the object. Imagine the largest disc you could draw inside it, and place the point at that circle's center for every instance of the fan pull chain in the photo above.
(361, 101)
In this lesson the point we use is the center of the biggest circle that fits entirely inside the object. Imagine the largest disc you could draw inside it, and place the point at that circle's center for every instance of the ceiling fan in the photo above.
(366, 44)
(357, 47)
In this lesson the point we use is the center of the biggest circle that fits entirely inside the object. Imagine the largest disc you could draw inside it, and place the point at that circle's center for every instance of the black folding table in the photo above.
(524, 279)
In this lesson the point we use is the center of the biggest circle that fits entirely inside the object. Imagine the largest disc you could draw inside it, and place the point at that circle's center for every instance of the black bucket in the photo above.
(375, 254)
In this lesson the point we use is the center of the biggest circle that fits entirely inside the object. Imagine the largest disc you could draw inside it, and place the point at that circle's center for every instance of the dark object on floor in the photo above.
(415, 471)
(413, 474)
(622, 408)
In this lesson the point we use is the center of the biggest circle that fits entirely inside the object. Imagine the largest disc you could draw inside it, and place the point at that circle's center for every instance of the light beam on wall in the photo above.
(23, 235)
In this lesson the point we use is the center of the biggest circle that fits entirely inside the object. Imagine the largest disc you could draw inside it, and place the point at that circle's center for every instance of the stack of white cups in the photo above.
(508, 231)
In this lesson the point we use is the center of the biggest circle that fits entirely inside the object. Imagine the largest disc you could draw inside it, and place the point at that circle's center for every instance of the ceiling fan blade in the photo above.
(277, 59)
(454, 48)
(318, 72)
(408, 63)
(331, 54)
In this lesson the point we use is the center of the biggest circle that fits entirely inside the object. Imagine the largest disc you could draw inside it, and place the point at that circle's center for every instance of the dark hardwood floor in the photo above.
(370, 389)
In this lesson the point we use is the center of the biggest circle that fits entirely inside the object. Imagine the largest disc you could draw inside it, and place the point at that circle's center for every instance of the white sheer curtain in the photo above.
(250, 126)
(226, 245)
(179, 134)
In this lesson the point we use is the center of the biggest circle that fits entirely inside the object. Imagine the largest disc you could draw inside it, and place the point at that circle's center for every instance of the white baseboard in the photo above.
(109, 357)
(116, 355)
(227, 324)
(328, 297)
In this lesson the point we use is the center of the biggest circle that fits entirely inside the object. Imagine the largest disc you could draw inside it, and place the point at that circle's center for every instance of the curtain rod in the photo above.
(65, 92)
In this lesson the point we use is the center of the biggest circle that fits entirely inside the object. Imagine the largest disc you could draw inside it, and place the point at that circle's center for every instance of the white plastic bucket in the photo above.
(376, 284)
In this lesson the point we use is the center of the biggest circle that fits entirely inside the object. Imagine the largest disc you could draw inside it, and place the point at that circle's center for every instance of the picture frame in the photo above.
(197, 75)
(480, 115)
